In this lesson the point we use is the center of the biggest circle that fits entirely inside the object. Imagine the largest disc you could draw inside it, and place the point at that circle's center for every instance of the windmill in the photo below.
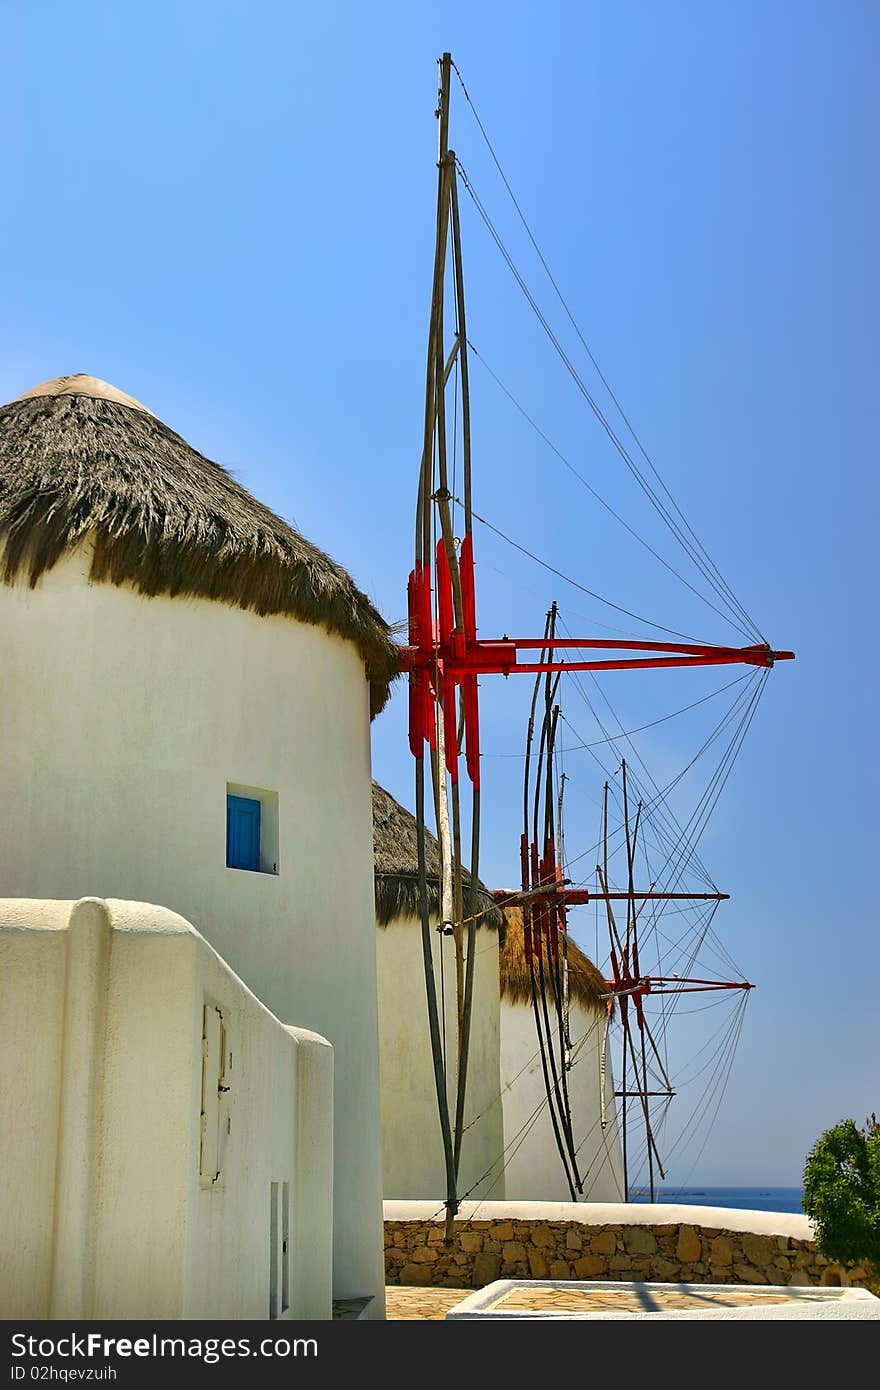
(445, 657)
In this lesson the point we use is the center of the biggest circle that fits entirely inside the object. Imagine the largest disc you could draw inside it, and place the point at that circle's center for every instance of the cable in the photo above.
(627, 733)
(625, 455)
(732, 597)
(592, 491)
(660, 627)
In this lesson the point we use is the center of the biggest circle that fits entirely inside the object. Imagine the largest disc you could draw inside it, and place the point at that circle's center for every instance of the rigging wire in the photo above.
(628, 733)
(591, 593)
(660, 798)
(659, 813)
(719, 1059)
(721, 1062)
(513, 580)
(529, 1064)
(750, 632)
(662, 816)
(592, 491)
(708, 801)
(717, 1086)
(681, 1078)
(751, 696)
(667, 813)
(657, 810)
(610, 738)
(732, 599)
(522, 1133)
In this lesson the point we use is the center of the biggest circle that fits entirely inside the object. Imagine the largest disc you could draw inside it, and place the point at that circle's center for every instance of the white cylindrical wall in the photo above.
(412, 1146)
(124, 718)
(534, 1170)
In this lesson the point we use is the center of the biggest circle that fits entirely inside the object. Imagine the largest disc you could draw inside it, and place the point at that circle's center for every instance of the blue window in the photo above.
(242, 833)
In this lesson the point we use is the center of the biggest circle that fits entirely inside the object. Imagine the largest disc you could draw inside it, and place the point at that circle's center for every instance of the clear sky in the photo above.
(227, 210)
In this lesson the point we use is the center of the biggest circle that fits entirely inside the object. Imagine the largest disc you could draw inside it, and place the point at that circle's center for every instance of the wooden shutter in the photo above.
(242, 833)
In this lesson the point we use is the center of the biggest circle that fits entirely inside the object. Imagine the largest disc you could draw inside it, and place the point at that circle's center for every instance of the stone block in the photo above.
(502, 1231)
(689, 1247)
(471, 1241)
(721, 1252)
(590, 1266)
(758, 1250)
(619, 1263)
(573, 1240)
(604, 1243)
(537, 1264)
(638, 1240)
(667, 1271)
(512, 1251)
(541, 1236)
(560, 1269)
(486, 1268)
(414, 1274)
(423, 1254)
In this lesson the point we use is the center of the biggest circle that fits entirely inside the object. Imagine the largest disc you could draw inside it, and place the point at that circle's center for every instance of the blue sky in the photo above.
(227, 210)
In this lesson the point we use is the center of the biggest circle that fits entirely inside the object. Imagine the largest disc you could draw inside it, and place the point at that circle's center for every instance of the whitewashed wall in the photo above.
(412, 1148)
(534, 1169)
(124, 718)
(104, 1209)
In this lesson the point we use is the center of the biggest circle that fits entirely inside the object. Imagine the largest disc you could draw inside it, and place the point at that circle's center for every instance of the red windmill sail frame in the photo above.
(441, 657)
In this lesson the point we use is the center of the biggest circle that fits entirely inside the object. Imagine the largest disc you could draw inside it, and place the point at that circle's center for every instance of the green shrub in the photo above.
(842, 1192)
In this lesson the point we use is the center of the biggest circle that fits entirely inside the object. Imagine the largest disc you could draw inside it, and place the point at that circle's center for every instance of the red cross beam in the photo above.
(441, 656)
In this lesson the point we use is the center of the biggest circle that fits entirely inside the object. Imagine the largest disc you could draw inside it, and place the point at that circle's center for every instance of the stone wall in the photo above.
(583, 1244)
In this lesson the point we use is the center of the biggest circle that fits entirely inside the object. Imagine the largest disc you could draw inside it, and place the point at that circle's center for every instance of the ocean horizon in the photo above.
(782, 1199)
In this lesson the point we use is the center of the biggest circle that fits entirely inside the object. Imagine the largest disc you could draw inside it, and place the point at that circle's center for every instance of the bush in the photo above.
(842, 1192)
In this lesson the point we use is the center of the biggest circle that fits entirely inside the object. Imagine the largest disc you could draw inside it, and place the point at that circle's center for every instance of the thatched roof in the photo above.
(395, 862)
(586, 984)
(80, 460)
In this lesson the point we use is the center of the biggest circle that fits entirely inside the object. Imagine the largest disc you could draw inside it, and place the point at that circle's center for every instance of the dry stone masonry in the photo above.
(671, 1252)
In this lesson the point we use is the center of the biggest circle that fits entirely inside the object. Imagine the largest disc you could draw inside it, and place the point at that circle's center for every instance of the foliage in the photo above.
(842, 1192)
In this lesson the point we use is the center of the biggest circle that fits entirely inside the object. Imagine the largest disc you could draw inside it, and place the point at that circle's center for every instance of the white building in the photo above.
(534, 1169)
(166, 1143)
(412, 1149)
(187, 686)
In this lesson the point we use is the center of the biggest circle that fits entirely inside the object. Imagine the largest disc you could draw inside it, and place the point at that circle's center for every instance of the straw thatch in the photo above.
(395, 862)
(81, 461)
(586, 984)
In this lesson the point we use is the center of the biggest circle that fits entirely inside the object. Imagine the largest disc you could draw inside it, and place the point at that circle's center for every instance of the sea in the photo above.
(787, 1199)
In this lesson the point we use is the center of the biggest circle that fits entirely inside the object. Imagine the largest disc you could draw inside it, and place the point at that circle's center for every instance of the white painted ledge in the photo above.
(802, 1304)
(762, 1223)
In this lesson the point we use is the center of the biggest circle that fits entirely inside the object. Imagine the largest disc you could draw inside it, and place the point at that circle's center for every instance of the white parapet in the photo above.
(166, 1145)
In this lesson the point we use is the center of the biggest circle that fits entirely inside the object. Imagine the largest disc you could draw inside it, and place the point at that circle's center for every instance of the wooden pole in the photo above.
(434, 429)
